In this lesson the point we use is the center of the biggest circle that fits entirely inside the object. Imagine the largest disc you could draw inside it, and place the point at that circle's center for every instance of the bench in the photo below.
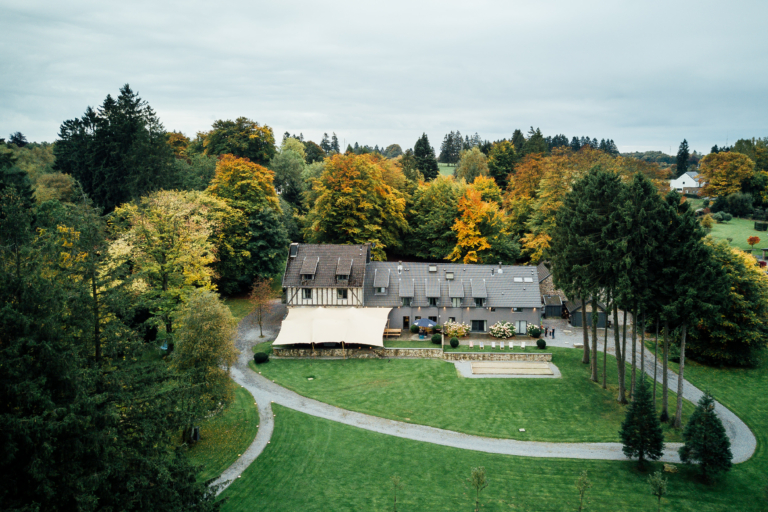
(395, 333)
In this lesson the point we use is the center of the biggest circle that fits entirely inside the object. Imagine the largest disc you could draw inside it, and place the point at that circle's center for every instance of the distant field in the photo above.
(446, 170)
(695, 203)
(739, 230)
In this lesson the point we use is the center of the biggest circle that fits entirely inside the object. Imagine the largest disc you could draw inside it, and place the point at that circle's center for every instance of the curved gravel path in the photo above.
(265, 392)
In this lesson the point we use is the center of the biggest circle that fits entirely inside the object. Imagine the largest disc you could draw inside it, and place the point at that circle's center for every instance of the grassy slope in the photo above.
(445, 169)
(318, 465)
(226, 436)
(239, 306)
(431, 393)
(739, 230)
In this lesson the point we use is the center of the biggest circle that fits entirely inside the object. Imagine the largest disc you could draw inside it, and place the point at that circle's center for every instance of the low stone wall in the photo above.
(497, 356)
(417, 353)
(420, 353)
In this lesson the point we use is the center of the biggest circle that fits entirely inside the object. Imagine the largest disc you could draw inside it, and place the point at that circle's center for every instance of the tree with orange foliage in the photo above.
(352, 203)
(481, 231)
(753, 241)
(262, 300)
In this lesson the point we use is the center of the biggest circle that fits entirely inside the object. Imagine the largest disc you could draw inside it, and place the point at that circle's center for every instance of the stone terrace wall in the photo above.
(420, 353)
(428, 353)
(497, 356)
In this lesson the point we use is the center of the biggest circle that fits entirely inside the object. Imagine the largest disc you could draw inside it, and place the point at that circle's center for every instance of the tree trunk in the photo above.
(96, 326)
(622, 398)
(634, 353)
(585, 330)
(680, 378)
(605, 349)
(664, 381)
(594, 339)
(642, 347)
(655, 362)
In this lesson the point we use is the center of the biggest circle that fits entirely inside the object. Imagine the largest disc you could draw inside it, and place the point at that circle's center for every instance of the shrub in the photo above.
(706, 203)
(260, 357)
(414, 329)
(719, 217)
(456, 329)
(454, 342)
(534, 331)
(727, 217)
(502, 330)
(437, 339)
(541, 344)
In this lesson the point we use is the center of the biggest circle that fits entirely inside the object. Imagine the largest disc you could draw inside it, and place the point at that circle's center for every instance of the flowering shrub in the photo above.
(502, 330)
(534, 331)
(451, 329)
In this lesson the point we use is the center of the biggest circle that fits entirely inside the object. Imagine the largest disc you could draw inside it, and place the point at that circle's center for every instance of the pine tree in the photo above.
(535, 143)
(682, 158)
(641, 433)
(518, 139)
(335, 143)
(425, 158)
(117, 153)
(706, 442)
(325, 143)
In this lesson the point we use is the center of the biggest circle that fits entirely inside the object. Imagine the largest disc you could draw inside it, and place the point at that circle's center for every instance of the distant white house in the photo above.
(689, 183)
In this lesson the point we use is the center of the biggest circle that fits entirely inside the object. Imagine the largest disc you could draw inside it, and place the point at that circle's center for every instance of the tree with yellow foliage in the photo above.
(724, 173)
(482, 232)
(165, 239)
(248, 187)
(352, 203)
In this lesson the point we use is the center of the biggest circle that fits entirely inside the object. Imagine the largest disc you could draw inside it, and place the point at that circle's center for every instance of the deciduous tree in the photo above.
(261, 298)
(352, 204)
(242, 138)
(724, 173)
(472, 164)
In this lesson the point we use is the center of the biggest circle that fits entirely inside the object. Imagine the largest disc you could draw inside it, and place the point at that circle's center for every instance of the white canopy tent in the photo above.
(334, 325)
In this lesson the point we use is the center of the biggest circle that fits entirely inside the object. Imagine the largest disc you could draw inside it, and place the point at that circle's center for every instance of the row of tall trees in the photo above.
(621, 242)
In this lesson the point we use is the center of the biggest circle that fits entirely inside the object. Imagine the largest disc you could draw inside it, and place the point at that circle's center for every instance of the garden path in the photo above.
(266, 392)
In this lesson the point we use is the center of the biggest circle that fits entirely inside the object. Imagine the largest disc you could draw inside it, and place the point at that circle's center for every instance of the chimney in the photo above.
(399, 267)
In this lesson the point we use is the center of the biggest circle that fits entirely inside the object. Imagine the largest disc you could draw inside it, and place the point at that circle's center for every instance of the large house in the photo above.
(338, 286)
(689, 183)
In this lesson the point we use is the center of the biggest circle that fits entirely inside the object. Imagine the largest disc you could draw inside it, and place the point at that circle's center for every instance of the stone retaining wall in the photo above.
(422, 353)
(419, 353)
(497, 356)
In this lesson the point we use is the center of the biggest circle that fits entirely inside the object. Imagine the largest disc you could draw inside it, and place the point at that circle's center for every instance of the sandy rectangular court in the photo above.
(510, 368)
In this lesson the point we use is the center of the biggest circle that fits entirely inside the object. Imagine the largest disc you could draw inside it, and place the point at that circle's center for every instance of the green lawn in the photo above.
(426, 343)
(225, 436)
(695, 203)
(239, 306)
(739, 230)
(430, 392)
(314, 464)
(446, 170)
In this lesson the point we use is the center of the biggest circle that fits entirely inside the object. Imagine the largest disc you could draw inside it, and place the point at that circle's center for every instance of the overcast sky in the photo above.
(646, 74)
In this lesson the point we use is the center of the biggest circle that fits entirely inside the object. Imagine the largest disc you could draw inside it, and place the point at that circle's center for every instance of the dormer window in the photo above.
(342, 278)
(380, 290)
(479, 303)
(380, 282)
(433, 301)
(343, 270)
(405, 301)
(307, 277)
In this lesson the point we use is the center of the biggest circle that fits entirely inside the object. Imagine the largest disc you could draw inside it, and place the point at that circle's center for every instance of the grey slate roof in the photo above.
(344, 266)
(380, 277)
(309, 265)
(478, 289)
(327, 265)
(406, 288)
(455, 289)
(544, 272)
(432, 287)
(501, 289)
